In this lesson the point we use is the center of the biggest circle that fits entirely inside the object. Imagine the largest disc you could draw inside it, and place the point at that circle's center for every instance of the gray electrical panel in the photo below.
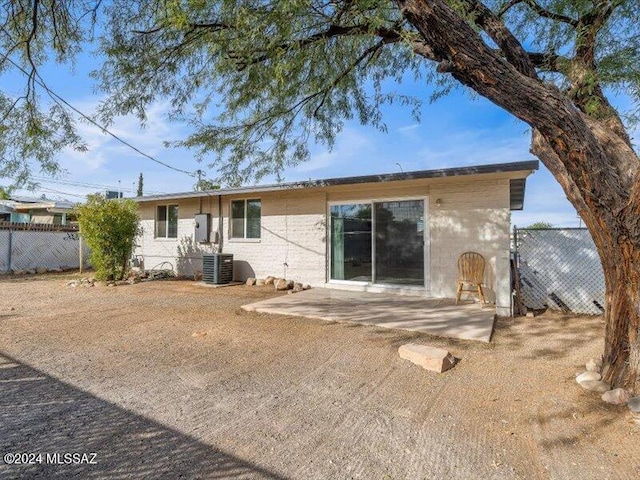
(203, 222)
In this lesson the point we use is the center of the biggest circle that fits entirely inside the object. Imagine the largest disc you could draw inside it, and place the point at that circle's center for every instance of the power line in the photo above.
(74, 183)
(50, 190)
(57, 98)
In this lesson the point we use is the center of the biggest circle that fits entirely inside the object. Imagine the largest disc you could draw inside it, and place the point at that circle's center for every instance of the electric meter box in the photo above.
(203, 223)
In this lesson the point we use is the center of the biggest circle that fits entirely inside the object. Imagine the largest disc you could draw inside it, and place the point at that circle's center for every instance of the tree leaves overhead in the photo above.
(261, 81)
(256, 80)
(34, 126)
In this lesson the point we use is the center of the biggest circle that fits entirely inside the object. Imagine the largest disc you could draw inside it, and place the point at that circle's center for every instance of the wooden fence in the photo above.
(40, 227)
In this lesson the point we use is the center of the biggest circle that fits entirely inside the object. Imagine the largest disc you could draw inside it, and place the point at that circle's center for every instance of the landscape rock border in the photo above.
(279, 284)
(591, 379)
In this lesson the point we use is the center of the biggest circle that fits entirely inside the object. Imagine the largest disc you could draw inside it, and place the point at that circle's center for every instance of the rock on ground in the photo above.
(430, 358)
(617, 396)
(269, 280)
(594, 365)
(595, 386)
(251, 281)
(281, 284)
(634, 404)
(588, 376)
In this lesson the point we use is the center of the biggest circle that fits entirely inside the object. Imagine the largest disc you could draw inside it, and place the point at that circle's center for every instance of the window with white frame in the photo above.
(167, 221)
(245, 218)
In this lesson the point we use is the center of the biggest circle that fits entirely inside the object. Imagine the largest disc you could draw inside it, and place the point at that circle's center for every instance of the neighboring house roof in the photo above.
(24, 204)
(517, 185)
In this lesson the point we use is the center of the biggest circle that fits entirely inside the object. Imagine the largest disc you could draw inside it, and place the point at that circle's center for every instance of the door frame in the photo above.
(372, 201)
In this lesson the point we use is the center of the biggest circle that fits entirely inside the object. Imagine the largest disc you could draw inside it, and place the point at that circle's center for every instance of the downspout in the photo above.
(220, 232)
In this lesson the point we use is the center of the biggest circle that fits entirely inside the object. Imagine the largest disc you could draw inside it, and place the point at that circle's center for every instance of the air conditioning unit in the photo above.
(217, 268)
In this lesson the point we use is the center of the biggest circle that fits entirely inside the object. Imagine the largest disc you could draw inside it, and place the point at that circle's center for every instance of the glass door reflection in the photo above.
(351, 231)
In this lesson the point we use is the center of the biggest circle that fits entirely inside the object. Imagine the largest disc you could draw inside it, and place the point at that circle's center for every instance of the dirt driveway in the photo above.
(118, 372)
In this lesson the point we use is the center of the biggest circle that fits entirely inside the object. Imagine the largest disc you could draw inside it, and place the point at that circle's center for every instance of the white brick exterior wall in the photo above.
(473, 215)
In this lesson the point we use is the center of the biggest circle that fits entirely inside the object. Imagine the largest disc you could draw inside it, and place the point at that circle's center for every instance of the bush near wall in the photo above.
(109, 227)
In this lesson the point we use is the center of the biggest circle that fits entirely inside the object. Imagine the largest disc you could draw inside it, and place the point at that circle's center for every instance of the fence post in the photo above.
(80, 251)
(518, 307)
(515, 244)
(9, 250)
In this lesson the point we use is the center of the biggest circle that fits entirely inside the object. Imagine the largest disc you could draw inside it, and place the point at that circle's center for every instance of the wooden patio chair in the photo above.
(470, 274)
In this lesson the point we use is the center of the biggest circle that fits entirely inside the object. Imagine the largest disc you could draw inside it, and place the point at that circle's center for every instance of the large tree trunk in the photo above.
(595, 164)
(614, 229)
(622, 350)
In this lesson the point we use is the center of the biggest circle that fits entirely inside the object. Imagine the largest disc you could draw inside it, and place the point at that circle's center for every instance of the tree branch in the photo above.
(543, 12)
(499, 33)
(549, 62)
(387, 34)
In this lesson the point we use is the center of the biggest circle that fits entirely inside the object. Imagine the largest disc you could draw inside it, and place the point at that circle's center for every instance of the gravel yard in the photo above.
(119, 372)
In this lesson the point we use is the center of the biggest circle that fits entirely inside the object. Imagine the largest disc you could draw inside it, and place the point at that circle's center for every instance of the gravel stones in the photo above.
(81, 282)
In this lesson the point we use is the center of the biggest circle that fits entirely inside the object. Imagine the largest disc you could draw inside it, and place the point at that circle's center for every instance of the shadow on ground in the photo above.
(563, 334)
(40, 414)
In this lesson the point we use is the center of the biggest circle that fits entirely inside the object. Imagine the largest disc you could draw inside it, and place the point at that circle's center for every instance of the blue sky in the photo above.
(454, 131)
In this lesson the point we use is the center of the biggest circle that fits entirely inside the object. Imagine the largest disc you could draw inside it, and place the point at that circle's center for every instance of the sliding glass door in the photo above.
(378, 242)
(351, 242)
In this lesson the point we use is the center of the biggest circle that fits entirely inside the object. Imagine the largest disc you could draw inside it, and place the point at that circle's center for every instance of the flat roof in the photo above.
(517, 189)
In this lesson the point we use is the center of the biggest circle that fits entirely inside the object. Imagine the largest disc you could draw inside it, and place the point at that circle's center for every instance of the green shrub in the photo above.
(109, 228)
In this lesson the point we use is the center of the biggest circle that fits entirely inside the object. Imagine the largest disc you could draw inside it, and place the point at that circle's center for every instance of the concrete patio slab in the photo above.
(441, 317)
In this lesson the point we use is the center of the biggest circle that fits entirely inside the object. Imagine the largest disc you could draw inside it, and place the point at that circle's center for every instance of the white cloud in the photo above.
(104, 149)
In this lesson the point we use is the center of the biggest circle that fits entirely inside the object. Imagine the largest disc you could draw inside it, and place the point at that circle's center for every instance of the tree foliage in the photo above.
(259, 80)
(204, 184)
(540, 225)
(35, 125)
(140, 192)
(109, 227)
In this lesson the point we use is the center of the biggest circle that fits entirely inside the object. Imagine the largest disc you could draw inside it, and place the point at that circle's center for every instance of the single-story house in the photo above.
(36, 210)
(399, 232)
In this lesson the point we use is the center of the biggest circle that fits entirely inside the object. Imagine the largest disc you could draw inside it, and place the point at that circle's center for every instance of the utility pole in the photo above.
(199, 184)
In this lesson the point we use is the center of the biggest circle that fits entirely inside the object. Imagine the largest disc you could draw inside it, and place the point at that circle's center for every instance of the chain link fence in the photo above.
(559, 268)
(23, 249)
